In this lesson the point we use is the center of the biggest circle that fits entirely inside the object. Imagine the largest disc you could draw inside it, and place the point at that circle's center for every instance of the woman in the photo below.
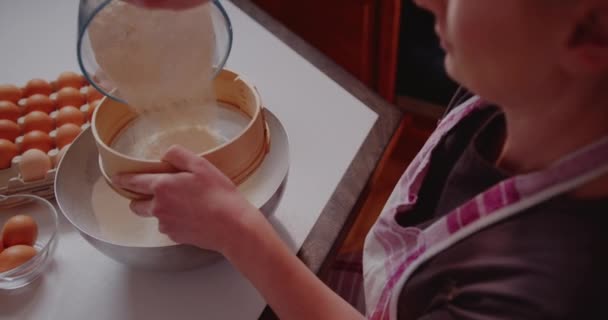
(501, 214)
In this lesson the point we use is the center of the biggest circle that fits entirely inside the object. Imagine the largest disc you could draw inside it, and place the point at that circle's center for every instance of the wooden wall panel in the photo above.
(360, 35)
(386, 62)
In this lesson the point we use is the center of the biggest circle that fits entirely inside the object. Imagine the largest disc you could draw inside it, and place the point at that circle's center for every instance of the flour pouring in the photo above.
(161, 63)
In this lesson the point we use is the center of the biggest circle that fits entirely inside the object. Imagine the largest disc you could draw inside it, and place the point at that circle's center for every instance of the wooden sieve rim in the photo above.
(239, 172)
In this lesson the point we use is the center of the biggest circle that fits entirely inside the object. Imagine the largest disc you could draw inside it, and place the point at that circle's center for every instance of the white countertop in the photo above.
(38, 39)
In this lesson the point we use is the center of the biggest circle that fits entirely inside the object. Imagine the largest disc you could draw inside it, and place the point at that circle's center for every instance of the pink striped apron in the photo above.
(392, 252)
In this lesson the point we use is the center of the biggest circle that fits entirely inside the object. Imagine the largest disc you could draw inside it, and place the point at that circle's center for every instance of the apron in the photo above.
(392, 252)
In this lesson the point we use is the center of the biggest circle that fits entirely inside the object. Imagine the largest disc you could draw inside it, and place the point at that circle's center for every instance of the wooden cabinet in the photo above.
(360, 35)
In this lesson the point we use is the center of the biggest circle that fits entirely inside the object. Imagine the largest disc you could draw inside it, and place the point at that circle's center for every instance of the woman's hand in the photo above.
(198, 206)
(201, 206)
(168, 4)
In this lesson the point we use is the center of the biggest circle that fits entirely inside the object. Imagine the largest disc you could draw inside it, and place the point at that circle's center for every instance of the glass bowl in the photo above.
(46, 218)
(87, 11)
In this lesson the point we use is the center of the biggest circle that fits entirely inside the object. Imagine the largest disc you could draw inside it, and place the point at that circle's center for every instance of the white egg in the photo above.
(34, 165)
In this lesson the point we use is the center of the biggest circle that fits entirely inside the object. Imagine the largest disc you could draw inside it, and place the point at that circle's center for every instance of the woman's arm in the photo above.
(288, 286)
(200, 206)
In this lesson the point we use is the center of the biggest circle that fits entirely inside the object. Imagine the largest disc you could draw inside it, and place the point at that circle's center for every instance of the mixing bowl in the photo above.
(89, 204)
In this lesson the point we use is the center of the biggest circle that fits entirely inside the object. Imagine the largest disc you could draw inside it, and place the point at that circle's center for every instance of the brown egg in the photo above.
(37, 86)
(70, 79)
(10, 92)
(92, 94)
(66, 134)
(9, 111)
(36, 140)
(20, 229)
(69, 97)
(69, 114)
(37, 120)
(9, 130)
(34, 165)
(8, 151)
(39, 102)
(13, 257)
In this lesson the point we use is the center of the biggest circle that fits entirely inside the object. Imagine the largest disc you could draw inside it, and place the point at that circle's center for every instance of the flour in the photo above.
(195, 137)
(161, 62)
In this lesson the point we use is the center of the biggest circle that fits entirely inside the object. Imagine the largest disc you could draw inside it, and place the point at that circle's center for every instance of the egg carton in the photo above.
(81, 96)
(12, 180)
(13, 184)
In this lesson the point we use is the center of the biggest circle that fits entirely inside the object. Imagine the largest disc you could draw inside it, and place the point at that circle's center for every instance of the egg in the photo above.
(9, 130)
(37, 86)
(34, 165)
(10, 93)
(92, 94)
(69, 97)
(20, 229)
(9, 111)
(39, 102)
(15, 256)
(69, 114)
(59, 155)
(36, 140)
(70, 79)
(66, 134)
(8, 151)
(89, 108)
(37, 120)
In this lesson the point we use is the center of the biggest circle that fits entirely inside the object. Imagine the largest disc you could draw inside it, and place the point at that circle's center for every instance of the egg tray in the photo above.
(11, 179)
(12, 182)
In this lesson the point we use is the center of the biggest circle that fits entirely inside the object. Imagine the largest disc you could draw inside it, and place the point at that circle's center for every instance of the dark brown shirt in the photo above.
(549, 262)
